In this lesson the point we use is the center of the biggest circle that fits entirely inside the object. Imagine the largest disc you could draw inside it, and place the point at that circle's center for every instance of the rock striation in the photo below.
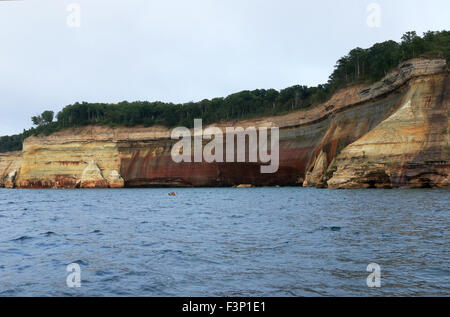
(394, 133)
(10, 164)
(410, 148)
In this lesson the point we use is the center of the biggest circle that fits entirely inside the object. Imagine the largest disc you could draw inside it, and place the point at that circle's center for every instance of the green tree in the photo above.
(360, 65)
(47, 116)
(37, 120)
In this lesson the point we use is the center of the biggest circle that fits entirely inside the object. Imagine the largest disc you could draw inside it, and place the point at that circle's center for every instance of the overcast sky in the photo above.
(182, 50)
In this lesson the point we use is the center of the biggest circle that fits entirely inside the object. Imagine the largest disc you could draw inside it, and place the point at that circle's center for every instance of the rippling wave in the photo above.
(224, 242)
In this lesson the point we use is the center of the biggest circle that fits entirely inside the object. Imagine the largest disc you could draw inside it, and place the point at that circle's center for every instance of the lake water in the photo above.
(224, 242)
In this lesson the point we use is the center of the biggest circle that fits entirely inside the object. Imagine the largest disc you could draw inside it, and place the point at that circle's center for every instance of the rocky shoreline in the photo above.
(392, 134)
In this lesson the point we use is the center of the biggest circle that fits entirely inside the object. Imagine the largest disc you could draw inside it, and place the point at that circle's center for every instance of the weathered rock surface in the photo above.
(115, 180)
(10, 164)
(317, 177)
(408, 149)
(70, 159)
(92, 177)
(394, 133)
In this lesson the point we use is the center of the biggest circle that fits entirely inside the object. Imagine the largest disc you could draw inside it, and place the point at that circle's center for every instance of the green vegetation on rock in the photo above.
(359, 66)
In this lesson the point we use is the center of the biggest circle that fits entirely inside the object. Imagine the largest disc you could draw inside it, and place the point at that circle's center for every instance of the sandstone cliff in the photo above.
(10, 164)
(410, 148)
(394, 133)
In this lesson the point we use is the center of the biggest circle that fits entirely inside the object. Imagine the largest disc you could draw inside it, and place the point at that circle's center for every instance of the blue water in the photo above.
(224, 242)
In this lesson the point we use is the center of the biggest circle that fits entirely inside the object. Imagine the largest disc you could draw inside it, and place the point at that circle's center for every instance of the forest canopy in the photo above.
(359, 66)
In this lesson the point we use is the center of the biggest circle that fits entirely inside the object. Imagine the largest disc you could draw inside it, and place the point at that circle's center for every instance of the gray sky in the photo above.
(182, 50)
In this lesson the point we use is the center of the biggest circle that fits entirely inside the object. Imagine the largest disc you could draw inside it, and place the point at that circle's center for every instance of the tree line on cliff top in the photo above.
(359, 66)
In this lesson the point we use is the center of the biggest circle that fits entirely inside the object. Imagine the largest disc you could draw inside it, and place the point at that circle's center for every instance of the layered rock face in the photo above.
(408, 149)
(394, 133)
(85, 158)
(10, 164)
